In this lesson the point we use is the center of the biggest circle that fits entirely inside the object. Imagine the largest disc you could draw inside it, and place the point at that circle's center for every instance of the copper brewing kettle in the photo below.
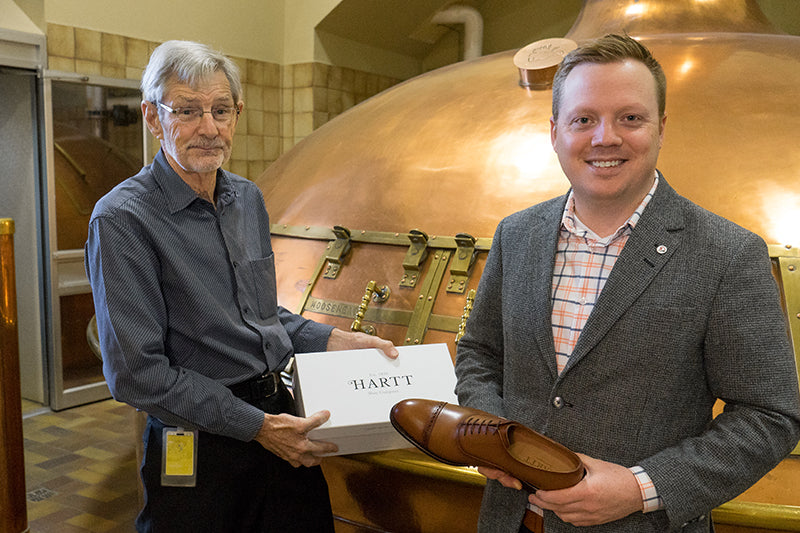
(456, 149)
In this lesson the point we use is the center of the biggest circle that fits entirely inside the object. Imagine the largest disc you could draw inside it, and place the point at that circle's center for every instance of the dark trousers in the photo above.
(241, 487)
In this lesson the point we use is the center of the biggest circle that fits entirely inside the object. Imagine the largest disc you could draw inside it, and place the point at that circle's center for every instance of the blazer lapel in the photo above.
(653, 241)
(538, 291)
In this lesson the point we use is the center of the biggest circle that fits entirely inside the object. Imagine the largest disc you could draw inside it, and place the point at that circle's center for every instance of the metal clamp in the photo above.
(337, 251)
(378, 295)
(462, 326)
(414, 258)
(462, 263)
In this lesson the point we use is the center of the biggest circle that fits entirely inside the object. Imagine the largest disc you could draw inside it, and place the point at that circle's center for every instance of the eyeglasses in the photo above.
(221, 113)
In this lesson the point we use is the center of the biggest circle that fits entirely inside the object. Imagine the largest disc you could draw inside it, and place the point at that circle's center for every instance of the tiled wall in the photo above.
(283, 104)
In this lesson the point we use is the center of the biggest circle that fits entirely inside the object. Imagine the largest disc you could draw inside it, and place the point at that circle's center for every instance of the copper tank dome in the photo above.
(456, 149)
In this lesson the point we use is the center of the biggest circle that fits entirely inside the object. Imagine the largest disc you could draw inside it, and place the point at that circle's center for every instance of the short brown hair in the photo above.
(612, 48)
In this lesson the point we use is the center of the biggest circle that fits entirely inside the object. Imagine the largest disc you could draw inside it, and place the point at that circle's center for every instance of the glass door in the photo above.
(95, 139)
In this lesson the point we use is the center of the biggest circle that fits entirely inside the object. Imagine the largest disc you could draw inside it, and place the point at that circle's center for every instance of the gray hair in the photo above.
(190, 63)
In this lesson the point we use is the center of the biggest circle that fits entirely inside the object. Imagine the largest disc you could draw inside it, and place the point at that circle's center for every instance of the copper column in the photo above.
(12, 462)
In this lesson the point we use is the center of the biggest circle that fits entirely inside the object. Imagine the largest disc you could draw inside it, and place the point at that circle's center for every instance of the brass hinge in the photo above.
(414, 258)
(337, 251)
(462, 263)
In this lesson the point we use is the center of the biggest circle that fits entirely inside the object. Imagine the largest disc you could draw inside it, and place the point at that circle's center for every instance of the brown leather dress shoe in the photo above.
(462, 436)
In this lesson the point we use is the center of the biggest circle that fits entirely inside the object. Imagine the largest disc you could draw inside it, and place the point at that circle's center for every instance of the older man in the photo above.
(183, 277)
(613, 318)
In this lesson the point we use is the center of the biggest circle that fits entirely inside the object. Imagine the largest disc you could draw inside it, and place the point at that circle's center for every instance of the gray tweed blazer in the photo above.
(671, 332)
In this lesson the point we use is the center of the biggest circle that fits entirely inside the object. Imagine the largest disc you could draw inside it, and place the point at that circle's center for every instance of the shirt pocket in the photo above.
(263, 279)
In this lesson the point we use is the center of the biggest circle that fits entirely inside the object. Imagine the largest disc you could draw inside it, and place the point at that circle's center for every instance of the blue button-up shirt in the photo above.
(186, 301)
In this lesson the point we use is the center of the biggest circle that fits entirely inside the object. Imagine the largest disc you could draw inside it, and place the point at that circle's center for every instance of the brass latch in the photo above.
(462, 326)
(462, 263)
(378, 295)
(337, 251)
(414, 258)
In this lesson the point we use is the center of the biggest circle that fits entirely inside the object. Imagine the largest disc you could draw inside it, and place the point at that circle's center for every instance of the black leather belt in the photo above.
(256, 388)
(267, 392)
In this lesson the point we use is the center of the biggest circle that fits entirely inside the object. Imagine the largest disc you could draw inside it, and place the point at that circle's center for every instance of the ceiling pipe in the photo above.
(473, 27)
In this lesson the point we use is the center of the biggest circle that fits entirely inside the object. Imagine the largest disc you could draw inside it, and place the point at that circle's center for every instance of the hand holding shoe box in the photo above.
(359, 388)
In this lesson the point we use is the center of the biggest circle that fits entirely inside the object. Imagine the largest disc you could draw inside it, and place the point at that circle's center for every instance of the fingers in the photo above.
(503, 478)
(287, 437)
(348, 340)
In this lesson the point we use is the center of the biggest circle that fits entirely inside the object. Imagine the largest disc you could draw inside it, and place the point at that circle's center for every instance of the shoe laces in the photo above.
(479, 425)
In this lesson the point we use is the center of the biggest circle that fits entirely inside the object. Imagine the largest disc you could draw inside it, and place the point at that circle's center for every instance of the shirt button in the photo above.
(558, 402)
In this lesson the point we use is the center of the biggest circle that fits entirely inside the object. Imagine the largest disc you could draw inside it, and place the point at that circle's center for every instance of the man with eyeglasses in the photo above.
(183, 278)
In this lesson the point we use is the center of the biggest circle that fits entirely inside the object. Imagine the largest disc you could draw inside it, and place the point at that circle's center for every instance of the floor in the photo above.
(81, 468)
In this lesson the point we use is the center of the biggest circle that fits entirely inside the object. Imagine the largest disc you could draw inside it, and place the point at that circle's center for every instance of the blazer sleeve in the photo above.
(750, 365)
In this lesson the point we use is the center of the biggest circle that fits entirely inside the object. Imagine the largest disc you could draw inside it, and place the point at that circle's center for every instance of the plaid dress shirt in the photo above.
(583, 263)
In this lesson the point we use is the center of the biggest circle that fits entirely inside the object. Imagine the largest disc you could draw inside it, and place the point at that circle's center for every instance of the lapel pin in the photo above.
(661, 249)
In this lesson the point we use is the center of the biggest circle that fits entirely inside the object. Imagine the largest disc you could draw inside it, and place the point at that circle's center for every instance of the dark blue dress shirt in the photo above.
(186, 301)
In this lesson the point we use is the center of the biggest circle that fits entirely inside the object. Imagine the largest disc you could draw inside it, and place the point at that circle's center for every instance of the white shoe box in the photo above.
(359, 388)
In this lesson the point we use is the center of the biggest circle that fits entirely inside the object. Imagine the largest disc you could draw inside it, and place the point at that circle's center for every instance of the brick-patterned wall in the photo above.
(282, 104)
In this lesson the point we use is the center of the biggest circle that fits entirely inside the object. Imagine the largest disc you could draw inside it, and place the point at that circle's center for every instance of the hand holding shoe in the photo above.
(463, 436)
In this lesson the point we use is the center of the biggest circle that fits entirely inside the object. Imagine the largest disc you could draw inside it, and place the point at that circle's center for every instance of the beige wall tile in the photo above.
(348, 79)
(88, 45)
(239, 166)
(255, 168)
(360, 82)
(255, 72)
(287, 125)
(272, 99)
(303, 100)
(133, 73)
(239, 146)
(255, 122)
(320, 75)
(112, 71)
(272, 75)
(287, 100)
(241, 63)
(60, 40)
(272, 148)
(335, 78)
(65, 64)
(321, 99)
(348, 101)
(334, 97)
(287, 76)
(255, 147)
(303, 75)
(90, 68)
(244, 121)
(320, 118)
(254, 96)
(272, 123)
(303, 124)
(112, 49)
(136, 53)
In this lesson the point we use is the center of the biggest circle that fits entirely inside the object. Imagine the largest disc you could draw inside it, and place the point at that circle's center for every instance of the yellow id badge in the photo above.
(179, 458)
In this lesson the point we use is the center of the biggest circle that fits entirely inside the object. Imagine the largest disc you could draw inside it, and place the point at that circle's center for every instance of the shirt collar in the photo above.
(178, 193)
(571, 222)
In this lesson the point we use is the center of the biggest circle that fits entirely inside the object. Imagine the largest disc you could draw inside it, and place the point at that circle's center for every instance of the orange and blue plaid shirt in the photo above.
(583, 263)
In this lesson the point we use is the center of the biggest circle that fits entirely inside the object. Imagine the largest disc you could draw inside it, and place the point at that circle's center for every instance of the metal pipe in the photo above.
(12, 460)
(473, 27)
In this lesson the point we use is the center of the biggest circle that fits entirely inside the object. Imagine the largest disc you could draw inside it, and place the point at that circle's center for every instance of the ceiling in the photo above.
(400, 26)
